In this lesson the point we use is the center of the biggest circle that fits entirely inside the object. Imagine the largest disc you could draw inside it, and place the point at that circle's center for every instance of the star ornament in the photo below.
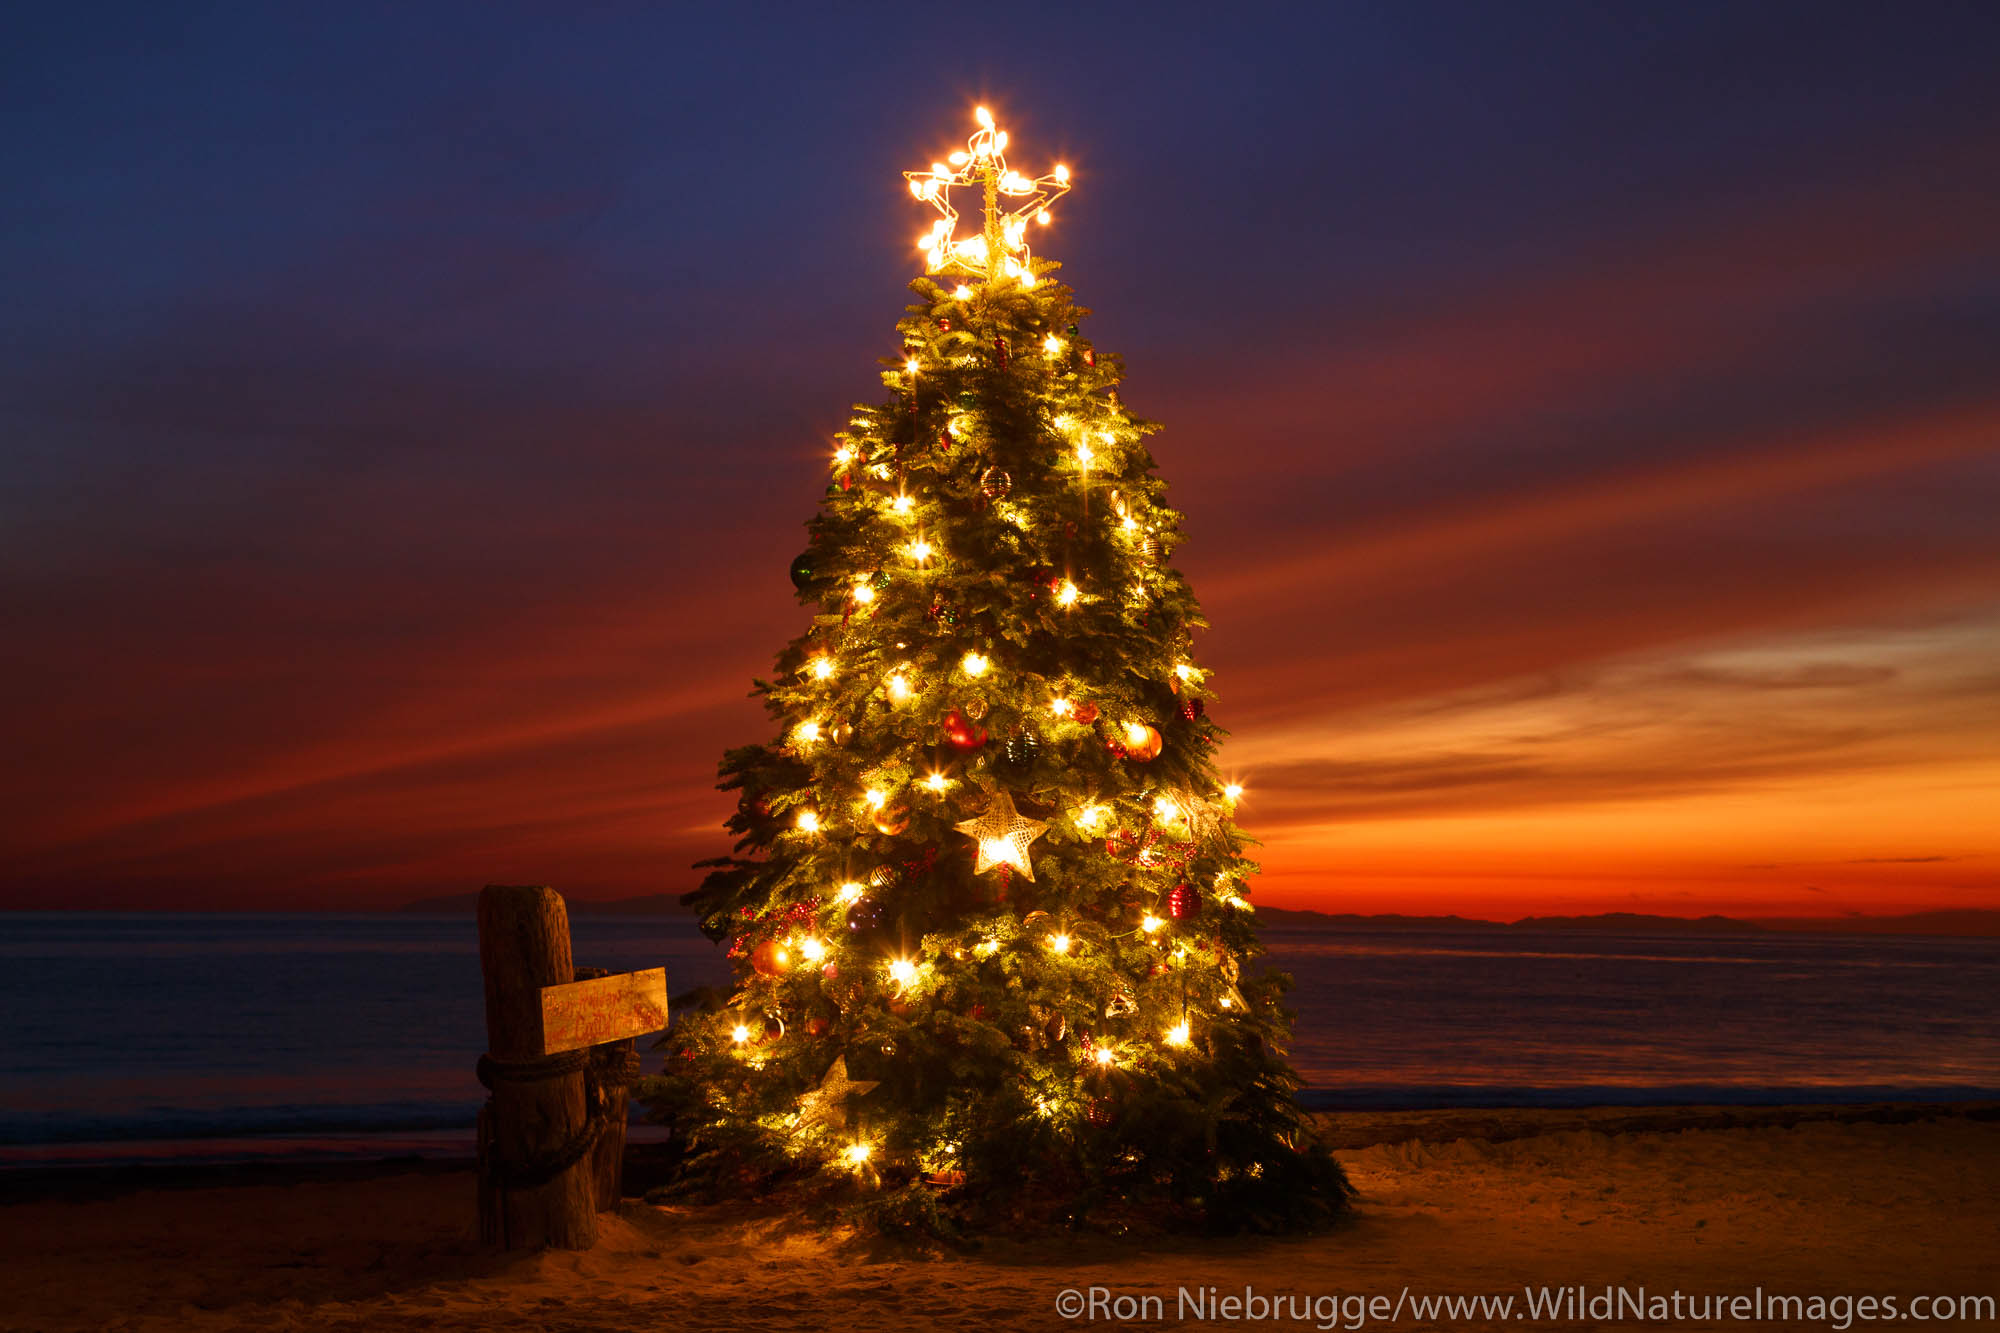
(1011, 202)
(827, 1104)
(1002, 836)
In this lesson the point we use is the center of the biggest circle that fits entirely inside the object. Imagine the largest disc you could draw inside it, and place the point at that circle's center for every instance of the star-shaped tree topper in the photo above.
(1002, 836)
(1012, 200)
(827, 1103)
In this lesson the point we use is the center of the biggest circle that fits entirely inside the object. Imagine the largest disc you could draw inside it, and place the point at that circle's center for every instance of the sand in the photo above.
(1850, 1206)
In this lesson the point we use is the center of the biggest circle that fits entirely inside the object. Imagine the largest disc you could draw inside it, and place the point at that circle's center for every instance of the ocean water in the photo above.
(229, 1037)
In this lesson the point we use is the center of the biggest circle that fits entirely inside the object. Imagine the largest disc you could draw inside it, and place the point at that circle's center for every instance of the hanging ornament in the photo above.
(973, 706)
(961, 733)
(994, 484)
(818, 1025)
(893, 820)
(1100, 1112)
(864, 916)
(944, 323)
(805, 570)
(1002, 835)
(941, 611)
(1083, 712)
(1000, 352)
(1089, 356)
(1072, 330)
(1149, 547)
(769, 959)
(884, 877)
(1120, 1004)
(1021, 749)
(1191, 709)
(1184, 903)
(773, 1029)
(826, 1105)
(1054, 1030)
(1142, 742)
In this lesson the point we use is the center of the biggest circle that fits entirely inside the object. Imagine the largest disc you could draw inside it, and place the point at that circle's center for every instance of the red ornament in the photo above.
(1191, 709)
(1084, 713)
(893, 820)
(944, 322)
(1089, 357)
(817, 1025)
(1100, 1112)
(1184, 903)
(961, 732)
(1000, 351)
(769, 959)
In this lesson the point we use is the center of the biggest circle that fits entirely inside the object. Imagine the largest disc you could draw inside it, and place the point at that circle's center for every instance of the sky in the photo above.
(1585, 417)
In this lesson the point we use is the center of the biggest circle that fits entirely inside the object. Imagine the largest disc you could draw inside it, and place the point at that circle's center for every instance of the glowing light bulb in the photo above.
(1184, 671)
(739, 1034)
(863, 593)
(974, 665)
(1043, 217)
(1178, 1034)
(1166, 809)
(808, 822)
(812, 949)
(1227, 1003)
(1130, 524)
(843, 455)
(1233, 792)
(1085, 456)
(877, 798)
(1062, 172)
(959, 159)
(1104, 1055)
(899, 688)
(1052, 345)
(902, 971)
(808, 732)
(1059, 943)
(920, 551)
(851, 891)
(1089, 817)
(936, 782)
(986, 948)
(822, 667)
(961, 292)
(983, 116)
(1068, 594)
(1150, 924)
(1061, 707)
(901, 504)
(858, 1153)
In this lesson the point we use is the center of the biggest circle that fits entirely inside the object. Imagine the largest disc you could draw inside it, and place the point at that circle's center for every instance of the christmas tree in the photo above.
(989, 908)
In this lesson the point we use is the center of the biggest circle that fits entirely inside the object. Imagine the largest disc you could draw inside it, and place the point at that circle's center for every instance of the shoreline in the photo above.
(1344, 1131)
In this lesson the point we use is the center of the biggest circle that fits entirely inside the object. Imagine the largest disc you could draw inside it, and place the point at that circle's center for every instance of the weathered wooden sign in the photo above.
(577, 1014)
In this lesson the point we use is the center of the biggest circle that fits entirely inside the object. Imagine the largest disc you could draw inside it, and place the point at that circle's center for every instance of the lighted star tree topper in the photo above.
(989, 910)
(1010, 202)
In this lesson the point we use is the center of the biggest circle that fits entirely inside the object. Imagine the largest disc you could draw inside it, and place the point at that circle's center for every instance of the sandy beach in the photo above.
(1857, 1202)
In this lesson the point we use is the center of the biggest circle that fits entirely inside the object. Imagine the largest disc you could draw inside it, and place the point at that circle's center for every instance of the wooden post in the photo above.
(524, 946)
(607, 1160)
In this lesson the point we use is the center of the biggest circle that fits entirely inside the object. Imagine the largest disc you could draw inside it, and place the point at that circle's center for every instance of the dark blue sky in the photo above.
(408, 410)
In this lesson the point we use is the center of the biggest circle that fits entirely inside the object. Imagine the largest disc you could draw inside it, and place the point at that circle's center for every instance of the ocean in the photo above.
(233, 1037)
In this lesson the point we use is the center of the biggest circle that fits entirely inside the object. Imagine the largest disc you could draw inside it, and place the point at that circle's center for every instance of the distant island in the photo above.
(1975, 922)
(1978, 922)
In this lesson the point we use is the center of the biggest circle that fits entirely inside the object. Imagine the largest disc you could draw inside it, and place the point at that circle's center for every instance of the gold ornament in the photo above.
(827, 1104)
(1002, 836)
